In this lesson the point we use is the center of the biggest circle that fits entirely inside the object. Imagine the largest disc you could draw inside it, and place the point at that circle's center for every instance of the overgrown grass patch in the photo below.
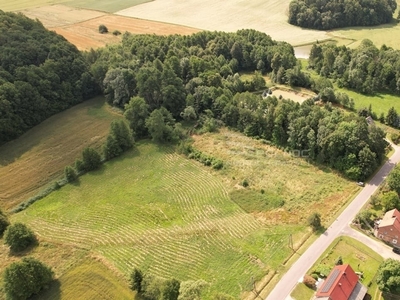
(255, 201)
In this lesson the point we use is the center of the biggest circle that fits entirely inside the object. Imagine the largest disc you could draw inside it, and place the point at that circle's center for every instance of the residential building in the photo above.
(388, 229)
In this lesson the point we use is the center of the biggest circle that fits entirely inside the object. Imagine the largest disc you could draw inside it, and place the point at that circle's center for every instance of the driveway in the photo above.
(287, 283)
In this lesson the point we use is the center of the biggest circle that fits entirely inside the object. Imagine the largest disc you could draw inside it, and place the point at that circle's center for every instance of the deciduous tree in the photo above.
(18, 237)
(26, 278)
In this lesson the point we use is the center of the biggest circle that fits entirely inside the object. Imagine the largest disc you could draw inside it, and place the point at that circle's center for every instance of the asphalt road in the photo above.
(287, 283)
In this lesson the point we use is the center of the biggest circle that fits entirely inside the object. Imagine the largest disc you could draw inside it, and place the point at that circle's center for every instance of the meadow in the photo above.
(357, 255)
(156, 210)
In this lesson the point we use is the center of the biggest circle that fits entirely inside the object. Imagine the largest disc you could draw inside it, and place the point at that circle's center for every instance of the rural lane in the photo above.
(287, 283)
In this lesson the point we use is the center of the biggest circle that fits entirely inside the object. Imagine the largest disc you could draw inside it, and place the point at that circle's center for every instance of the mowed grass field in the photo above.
(38, 157)
(165, 214)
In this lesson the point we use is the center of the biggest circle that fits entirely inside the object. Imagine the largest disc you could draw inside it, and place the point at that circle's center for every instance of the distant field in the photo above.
(81, 26)
(303, 187)
(38, 157)
(266, 16)
(165, 214)
(100, 5)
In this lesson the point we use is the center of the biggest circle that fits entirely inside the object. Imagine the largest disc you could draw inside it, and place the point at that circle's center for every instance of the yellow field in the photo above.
(265, 16)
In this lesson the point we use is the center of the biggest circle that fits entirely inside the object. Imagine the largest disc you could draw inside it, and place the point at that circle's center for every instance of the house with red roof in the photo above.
(388, 229)
(341, 284)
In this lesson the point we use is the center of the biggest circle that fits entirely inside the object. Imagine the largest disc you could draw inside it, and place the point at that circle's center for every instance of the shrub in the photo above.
(25, 278)
(70, 174)
(91, 159)
(315, 276)
(339, 261)
(103, 29)
(79, 166)
(116, 32)
(314, 221)
(309, 281)
(395, 137)
(4, 223)
(19, 237)
(245, 183)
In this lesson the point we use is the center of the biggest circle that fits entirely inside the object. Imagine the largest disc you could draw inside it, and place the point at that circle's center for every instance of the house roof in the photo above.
(391, 218)
(340, 284)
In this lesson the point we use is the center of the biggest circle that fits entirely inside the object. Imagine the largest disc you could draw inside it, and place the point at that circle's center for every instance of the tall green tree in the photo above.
(91, 159)
(70, 174)
(160, 125)
(388, 276)
(393, 179)
(136, 112)
(26, 278)
(314, 220)
(136, 280)
(392, 118)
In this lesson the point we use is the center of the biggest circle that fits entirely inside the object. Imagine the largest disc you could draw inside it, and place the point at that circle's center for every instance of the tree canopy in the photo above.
(388, 276)
(26, 278)
(365, 69)
(19, 237)
(326, 15)
(41, 74)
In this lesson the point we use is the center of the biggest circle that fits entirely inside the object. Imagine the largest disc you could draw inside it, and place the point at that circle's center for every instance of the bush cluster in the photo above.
(206, 159)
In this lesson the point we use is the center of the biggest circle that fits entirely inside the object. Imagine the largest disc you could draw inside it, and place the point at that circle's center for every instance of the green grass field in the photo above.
(165, 214)
(381, 103)
(359, 256)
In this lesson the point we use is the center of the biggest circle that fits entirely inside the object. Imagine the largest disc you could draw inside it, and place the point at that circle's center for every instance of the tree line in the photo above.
(161, 81)
(40, 74)
(365, 69)
(325, 15)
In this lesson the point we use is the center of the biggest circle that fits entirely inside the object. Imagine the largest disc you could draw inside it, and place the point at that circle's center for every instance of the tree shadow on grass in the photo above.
(53, 292)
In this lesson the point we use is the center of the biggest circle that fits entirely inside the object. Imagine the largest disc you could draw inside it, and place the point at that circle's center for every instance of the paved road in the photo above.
(287, 283)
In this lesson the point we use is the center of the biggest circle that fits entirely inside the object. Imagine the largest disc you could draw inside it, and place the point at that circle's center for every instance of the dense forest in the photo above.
(40, 74)
(162, 80)
(324, 15)
(365, 69)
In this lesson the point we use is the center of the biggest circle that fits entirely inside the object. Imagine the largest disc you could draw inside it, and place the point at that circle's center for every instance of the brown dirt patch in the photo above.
(296, 96)
(81, 26)
(38, 157)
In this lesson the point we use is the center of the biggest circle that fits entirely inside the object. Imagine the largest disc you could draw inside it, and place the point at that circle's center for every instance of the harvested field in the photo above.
(38, 157)
(60, 15)
(267, 16)
(81, 26)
